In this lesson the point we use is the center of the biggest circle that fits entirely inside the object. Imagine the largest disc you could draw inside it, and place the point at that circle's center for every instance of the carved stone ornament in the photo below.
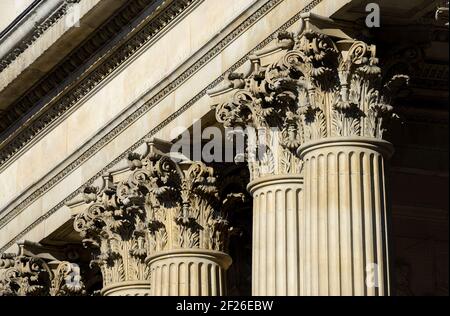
(22, 275)
(163, 205)
(311, 86)
(113, 226)
(183, 205)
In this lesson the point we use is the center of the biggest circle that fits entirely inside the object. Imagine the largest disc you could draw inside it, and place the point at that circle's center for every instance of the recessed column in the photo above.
(277, 202)
(323, 92)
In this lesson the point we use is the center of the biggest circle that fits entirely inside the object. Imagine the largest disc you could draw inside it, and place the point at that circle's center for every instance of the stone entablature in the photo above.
(78, 65)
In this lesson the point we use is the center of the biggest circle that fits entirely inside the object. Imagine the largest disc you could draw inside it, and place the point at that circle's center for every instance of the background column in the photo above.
(276, 231)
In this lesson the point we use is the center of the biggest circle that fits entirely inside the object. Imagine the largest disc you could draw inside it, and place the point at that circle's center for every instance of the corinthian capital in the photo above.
(310, 85)
(161, 205)
(181, 202)
(22, 275)
(113, 226)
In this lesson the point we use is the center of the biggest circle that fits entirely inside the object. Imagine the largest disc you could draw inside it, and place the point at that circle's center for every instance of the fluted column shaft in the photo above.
(345, 249)
(127, 288)
(277, 202)
(189, 273)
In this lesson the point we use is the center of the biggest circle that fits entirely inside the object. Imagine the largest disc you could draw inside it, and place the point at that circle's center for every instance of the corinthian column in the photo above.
(276, 234)
(113, 226)
(263, 105)
(188, 229)
(161, 231)
(346, 245)
(343, 110)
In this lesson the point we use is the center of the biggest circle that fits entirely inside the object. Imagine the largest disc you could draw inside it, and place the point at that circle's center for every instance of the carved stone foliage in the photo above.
(181, 202)
(317, 87)
(265, 105)
(113, 226)
(22, 275)
(163, 205)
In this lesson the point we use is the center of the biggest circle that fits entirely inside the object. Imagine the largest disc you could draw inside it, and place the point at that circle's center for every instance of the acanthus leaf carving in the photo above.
(112, 226)
(318, 87)
(162, 205)
(22, 275)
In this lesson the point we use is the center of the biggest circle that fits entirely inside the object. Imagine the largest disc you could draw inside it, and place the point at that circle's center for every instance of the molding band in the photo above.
(46, 116)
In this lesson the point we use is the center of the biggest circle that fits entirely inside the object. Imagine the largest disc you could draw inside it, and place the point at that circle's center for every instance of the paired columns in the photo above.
(320, 211)
(314, 106)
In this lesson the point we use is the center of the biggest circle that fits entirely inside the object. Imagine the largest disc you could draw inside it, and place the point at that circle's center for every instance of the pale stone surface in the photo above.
(130, 288)
(163, 216)
(189, 273)
(345, 240)
(213, 69)
(50, 39)
(277, 214)
(320, 196)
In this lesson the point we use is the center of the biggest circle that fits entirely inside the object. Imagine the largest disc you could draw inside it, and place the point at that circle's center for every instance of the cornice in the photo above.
(36, 33)
(48, 92)
(262, 11)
